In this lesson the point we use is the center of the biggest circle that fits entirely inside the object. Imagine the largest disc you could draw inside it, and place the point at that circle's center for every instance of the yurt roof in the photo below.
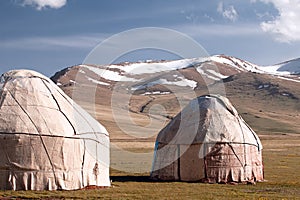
(31, 103)
(208, 119)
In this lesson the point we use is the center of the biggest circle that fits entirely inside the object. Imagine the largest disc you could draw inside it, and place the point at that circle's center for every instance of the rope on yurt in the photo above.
(220, 100)
(74, 130)
(79, 113)
(244, 143)
(1, 93)
(236, 154)
(59, 108)
(178, 160)
(253, 133)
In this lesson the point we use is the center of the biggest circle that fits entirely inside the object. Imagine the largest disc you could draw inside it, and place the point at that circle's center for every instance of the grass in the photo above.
(281, 160)
(167, 190)
(262, 123)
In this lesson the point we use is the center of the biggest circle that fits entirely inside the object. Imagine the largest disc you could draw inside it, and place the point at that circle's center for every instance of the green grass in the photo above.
(281, 160)
(171, 190)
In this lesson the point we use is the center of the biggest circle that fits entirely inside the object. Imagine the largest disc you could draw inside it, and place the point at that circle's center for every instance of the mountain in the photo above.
(211, 69)
(151, 93)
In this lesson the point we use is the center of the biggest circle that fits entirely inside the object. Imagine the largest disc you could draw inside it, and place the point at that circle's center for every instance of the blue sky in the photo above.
(49, 35)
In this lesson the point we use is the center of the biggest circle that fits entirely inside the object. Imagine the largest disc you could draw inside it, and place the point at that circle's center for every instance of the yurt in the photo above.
(208, 142)
(47, 142)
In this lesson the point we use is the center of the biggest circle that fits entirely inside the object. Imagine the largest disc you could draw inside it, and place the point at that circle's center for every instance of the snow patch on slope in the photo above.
(156, 67)
(156, 93)
(203, 73)
(217, 74)
(109, 75)
(182, 83)
(96, 81)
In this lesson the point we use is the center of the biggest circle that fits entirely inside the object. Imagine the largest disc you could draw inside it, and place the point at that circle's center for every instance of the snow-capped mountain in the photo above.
(191, 73)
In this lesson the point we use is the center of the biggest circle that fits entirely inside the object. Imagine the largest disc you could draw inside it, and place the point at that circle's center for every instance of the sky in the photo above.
(50, 35)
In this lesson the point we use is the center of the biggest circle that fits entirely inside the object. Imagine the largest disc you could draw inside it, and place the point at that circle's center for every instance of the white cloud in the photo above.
(228, 12)
(48, 43)
(40, 4)
(286, 26)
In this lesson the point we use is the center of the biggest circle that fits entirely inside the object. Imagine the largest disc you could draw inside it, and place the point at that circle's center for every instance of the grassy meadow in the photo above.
(282, 173)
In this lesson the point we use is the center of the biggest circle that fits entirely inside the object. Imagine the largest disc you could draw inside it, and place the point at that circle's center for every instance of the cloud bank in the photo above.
(41, 4)
(286, 26)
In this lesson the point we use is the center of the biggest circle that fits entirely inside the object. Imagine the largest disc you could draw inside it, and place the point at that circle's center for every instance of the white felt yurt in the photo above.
(47, 142)
(208, 142)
